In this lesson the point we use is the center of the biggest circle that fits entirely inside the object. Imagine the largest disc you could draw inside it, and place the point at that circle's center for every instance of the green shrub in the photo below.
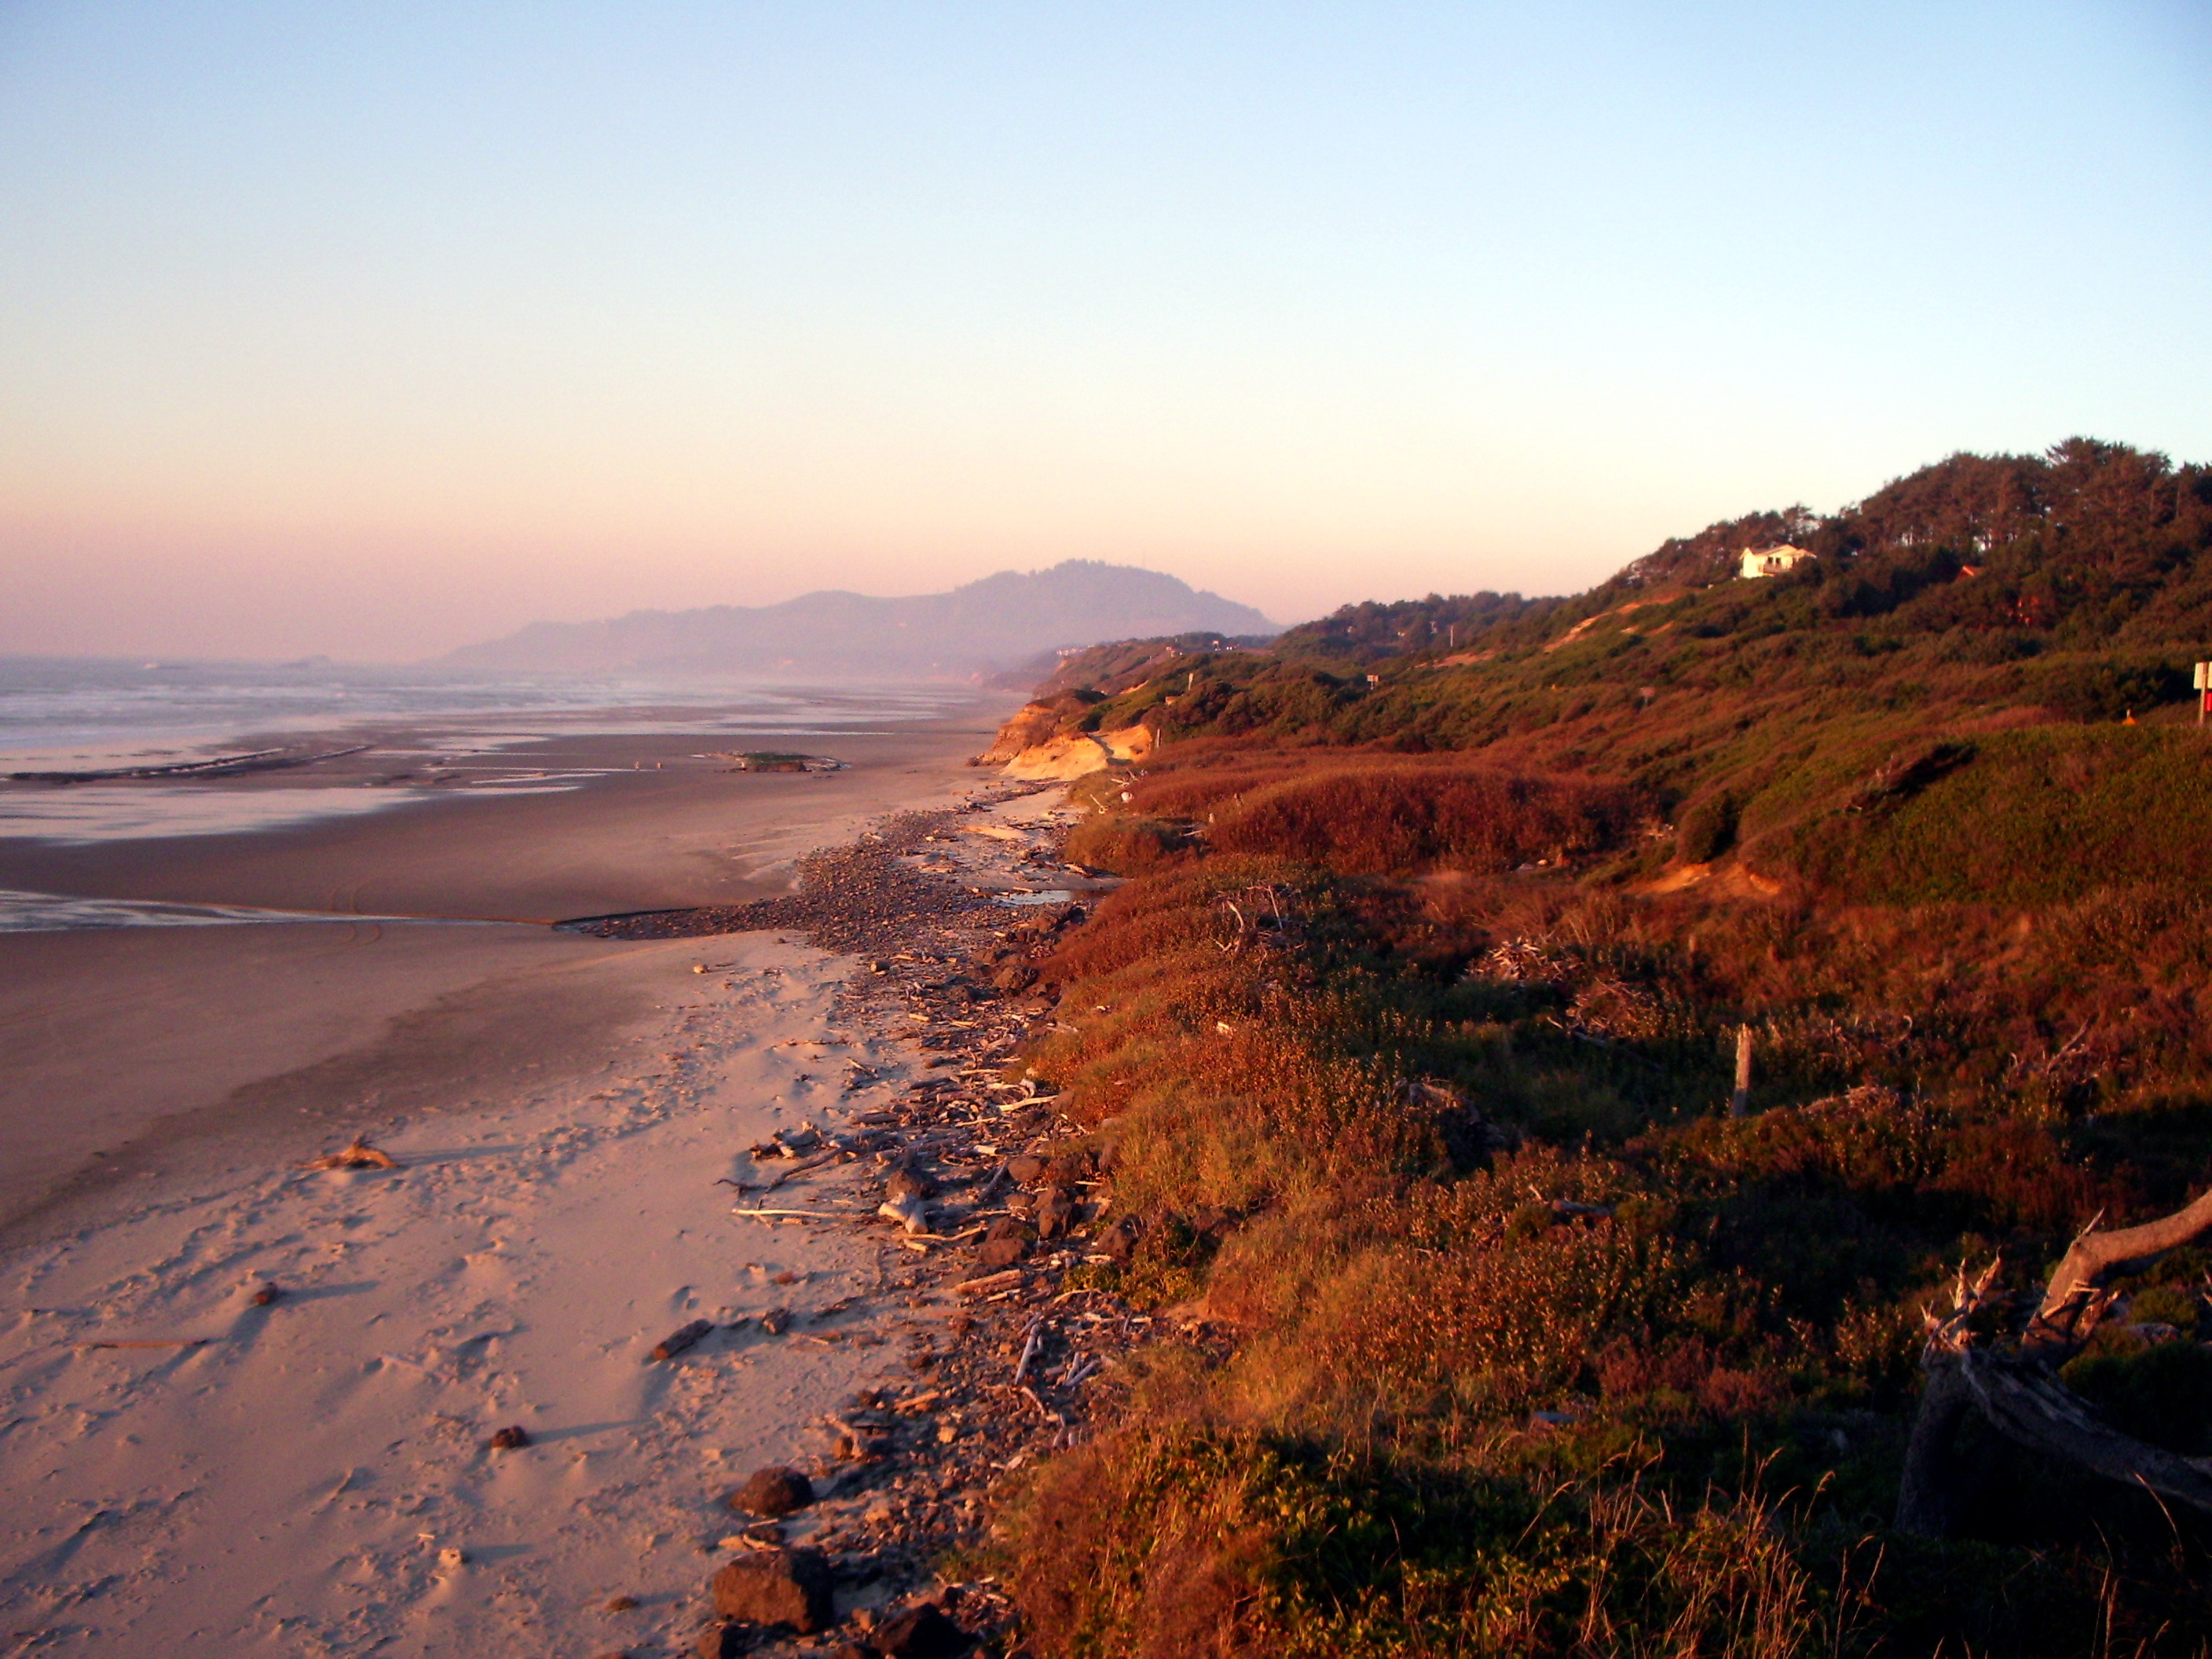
(2042, 815)
(2161, 1393)
(1127, 844)
(1170, 1543)
(1707, 830)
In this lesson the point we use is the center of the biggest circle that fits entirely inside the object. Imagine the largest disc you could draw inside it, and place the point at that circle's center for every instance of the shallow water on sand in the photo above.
(394, 736)
(87, 812)
(57, 913)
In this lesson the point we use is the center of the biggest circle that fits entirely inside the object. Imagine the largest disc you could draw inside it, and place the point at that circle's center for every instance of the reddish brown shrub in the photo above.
(1379, 820)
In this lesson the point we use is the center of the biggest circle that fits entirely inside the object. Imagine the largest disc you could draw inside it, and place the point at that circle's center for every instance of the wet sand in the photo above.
(132, 1053)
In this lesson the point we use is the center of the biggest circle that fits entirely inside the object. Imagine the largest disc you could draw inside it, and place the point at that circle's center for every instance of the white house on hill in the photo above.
(1773, 561)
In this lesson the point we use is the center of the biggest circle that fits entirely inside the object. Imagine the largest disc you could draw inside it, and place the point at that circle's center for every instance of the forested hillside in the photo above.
(1410, 1053)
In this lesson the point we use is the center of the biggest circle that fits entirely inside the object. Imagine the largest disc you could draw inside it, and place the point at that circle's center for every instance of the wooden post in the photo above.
(2203, 681)
(1739, 1102)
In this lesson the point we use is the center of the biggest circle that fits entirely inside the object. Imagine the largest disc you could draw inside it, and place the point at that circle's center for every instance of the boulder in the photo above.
(1005, 1241)
(1055, 1211)
(908, 1182)
(772, 1491)
(775, 1587)
(725, 1638)
(1027, 1169)
(922, 1633)
(1069, 1169)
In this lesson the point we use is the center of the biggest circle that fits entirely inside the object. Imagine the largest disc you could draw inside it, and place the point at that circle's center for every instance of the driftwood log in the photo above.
(2015, 1390)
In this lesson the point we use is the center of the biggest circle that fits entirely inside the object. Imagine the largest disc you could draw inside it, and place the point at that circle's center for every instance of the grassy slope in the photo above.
(1408, 1057)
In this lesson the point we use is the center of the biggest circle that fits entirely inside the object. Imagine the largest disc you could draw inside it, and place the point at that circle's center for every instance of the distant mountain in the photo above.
(974, 631)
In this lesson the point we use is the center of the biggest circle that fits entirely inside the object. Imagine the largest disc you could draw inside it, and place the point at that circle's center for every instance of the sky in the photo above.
(375, 328)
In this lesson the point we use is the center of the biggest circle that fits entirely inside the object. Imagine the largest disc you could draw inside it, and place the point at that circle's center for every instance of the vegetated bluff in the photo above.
(981, 628)
(1408, 1055)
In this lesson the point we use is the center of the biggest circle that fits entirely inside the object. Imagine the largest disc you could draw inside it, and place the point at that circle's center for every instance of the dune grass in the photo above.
(1442, 1152)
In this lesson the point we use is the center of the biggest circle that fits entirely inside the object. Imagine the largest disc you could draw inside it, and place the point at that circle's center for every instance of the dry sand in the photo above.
(311, 1476)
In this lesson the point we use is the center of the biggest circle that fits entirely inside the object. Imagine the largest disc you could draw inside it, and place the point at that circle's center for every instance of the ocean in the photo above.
(71, 712)
(395, 735)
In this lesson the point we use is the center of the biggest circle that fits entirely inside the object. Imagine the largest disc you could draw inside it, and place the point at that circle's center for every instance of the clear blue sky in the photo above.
(372, 328)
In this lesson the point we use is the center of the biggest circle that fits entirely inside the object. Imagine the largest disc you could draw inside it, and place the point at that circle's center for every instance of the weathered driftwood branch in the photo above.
(2018, 1393)
(2076, 1298)
(2031, 1407)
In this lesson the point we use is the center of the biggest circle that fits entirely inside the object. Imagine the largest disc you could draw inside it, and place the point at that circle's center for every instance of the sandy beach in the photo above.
(195, 1472)
(130, 1051)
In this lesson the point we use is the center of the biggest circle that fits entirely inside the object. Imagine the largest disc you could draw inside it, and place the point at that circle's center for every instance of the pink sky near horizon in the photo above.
(373, 331)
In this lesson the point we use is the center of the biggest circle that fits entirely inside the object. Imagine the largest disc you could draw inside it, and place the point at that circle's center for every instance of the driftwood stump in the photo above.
(2015, 1390)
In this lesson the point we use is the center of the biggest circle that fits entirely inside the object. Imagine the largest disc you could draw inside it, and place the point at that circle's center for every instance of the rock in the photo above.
(512, 1437)
(1070, 1168)
(1120, 1241)
(1006, 1243)
(725, 1638)
(621, 1604)
(772, 1491)
(775, 1587)
(1014, 977)
(922, 1633)
(905, 1182)
(1055, 1209)
(680, 1341)
(357, 1154)
(774, 1321)
(1027, 1169)
(265, 1295)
